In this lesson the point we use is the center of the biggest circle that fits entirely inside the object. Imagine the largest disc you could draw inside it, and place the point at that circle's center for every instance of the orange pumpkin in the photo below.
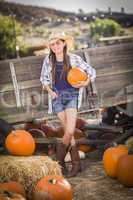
(125, 170)
(75, 75)
(56, 186)
(85, 148)
(20, 143)
(111, 157)
(13, 186)
(6, 195)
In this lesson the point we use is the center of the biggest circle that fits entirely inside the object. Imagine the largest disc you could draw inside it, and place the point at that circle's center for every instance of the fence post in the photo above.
(15, 84)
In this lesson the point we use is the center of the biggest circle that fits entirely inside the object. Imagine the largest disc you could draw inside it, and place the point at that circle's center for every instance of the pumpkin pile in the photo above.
(27, 170)
(118, 163)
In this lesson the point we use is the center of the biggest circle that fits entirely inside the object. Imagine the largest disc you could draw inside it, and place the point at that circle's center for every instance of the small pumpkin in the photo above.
(111, 157)
(56, 186)
(20, 143)
(125, 170)
(85, 148)
(6, 195)
(13, 186)
(76, 75)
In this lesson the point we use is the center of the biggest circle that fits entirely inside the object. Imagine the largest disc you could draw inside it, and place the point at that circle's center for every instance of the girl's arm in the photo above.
(50, 91)
(45, 78)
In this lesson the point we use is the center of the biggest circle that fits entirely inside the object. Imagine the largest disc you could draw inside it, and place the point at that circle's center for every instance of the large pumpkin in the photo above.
(13, 186)
(75, 75)
(56, 186)
(125, 170)
(111, 157)
(20, 143)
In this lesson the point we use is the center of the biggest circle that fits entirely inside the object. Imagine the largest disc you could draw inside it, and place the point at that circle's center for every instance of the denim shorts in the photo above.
(66, 99)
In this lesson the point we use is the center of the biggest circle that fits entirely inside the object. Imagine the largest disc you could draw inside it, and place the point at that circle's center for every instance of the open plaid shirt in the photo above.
(75, 61)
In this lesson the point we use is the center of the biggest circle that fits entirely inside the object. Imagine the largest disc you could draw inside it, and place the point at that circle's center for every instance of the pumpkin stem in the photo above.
(130, 152)
(53, 181)
(9, 194)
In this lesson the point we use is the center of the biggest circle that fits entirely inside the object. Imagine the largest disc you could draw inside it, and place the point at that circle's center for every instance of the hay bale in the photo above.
(27, 170)
(129, 142)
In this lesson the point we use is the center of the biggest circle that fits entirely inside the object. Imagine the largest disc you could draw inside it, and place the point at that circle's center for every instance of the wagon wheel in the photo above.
(37, 133)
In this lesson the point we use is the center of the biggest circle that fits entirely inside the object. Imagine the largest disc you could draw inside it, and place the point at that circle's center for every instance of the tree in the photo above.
(80, 11)
(105, 28)
(9, 30)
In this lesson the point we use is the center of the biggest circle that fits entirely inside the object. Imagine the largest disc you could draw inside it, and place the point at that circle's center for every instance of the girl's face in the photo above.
(58, 46)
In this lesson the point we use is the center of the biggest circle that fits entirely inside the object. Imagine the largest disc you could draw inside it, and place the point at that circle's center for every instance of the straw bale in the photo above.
(27, 170)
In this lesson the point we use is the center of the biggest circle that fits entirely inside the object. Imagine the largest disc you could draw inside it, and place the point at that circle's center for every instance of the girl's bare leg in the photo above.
(71, 116)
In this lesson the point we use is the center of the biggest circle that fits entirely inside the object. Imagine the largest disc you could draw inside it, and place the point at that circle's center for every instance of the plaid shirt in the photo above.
(75, 61)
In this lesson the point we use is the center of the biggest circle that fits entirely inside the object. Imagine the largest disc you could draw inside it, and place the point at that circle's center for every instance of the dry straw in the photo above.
(27, 170)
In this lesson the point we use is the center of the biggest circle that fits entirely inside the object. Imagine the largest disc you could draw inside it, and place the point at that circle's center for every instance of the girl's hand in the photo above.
(50, 91)
(53, 94)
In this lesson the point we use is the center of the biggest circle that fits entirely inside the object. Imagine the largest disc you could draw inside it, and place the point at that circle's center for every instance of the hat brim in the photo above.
(69, 40)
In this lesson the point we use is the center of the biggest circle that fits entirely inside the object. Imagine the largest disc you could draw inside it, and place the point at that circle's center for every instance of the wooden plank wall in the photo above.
(114, 66)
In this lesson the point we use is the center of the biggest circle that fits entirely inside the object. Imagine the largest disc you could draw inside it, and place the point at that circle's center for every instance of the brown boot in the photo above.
(76, 165)
(61, 151)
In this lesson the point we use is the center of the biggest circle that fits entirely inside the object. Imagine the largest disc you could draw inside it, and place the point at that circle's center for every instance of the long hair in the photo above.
(66, 63)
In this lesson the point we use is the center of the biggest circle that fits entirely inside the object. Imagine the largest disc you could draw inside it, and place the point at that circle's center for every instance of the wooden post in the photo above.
(15, 84)
(93, 92)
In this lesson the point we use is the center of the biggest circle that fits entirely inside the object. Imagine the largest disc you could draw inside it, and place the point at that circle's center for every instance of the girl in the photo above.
(63, 97)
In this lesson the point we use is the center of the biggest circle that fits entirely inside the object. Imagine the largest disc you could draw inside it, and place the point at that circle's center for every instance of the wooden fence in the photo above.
(20, 85)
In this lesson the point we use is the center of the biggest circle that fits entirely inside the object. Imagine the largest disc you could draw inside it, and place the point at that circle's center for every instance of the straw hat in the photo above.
(62, 36)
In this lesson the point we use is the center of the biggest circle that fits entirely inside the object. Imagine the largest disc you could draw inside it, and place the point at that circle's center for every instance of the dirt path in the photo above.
(93, 184)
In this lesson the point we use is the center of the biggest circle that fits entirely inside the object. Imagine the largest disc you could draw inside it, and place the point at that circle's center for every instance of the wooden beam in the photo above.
(15, 84)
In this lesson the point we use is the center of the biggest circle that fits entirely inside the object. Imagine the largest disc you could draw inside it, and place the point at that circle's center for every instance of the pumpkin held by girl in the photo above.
(76, 75)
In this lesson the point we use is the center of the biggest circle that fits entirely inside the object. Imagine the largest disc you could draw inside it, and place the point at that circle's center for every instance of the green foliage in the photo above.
(105, 28)
(9, 30)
